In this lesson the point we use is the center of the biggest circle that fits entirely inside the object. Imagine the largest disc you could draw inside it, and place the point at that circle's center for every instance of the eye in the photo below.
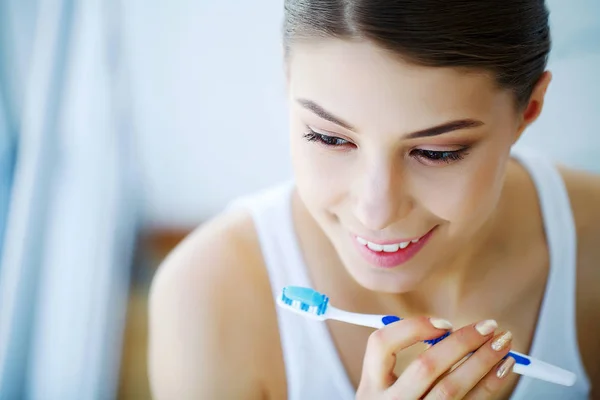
(439, 157)
(326, 140)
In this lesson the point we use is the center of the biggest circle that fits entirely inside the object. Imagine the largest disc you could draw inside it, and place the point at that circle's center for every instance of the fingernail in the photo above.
(440, 323)
(501, 341)
(486, 327)
(505, 367)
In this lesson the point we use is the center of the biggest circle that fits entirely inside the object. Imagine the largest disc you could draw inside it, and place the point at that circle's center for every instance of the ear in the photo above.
(536, 102)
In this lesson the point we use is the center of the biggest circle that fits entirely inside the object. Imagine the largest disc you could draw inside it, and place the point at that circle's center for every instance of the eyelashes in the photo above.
(430, 157)
(441, 156)
(326, 140)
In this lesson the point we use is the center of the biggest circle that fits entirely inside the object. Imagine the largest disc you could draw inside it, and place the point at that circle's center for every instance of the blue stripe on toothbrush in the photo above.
(388, 319)
(518, 359)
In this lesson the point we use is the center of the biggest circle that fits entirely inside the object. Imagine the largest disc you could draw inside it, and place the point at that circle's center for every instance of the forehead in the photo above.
(364, 83)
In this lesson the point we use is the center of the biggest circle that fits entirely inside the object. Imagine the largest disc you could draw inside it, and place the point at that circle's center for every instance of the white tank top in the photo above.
(313, 367)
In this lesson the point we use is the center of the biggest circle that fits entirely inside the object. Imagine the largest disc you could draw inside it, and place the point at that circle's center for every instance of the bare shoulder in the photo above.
(584, 194)
(212, 324)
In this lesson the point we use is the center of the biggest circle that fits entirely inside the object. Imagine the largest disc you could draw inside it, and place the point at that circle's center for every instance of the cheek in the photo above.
(464, 194)
(321, 175)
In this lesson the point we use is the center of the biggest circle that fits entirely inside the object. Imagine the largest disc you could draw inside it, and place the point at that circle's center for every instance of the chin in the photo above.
(385, 280)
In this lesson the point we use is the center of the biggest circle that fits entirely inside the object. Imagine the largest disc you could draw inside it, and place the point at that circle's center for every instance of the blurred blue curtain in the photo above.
(72, 210)
(11, 61)
(7, 156)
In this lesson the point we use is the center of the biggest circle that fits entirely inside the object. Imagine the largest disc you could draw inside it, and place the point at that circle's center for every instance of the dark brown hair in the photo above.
(509, 38)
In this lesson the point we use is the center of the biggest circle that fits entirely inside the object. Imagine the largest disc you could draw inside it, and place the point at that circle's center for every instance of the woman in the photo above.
(407, 200)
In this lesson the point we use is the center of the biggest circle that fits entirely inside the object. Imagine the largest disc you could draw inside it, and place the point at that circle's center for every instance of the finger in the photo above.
(464, 378)
(448, 372)
(384, 343)
(493, 382)
(422, 373)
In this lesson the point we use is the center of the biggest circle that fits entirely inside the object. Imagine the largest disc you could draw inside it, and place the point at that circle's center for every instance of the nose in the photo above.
(381, 197)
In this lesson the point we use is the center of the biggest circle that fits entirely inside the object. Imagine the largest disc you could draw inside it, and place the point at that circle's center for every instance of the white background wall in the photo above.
(210, 107)
(210, 103)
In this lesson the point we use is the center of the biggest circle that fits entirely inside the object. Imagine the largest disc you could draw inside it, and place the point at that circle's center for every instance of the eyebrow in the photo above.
(326, 115)
(445, 128)
(428, 132)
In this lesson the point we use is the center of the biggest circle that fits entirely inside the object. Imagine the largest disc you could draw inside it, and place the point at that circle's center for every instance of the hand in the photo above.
(434, 374)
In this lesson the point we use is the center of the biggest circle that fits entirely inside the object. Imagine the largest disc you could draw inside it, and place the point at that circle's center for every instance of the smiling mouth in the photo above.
(389, 247)
(392, 253)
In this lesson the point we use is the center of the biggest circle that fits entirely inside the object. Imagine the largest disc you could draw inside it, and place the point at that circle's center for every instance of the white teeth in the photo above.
(390, 248)
(374, 246)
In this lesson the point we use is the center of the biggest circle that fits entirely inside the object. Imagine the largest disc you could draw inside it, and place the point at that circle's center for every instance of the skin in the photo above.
(379, 185)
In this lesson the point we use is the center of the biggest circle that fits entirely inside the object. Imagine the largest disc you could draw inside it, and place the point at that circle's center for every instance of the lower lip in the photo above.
(389, 260)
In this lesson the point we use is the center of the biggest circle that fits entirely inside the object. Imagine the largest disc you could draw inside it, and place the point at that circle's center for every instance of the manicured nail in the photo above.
(505, 367)
(486, 327)
(440, 323)
(502, 341)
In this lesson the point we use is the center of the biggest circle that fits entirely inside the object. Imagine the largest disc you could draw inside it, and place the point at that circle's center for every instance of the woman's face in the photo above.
(388, 152)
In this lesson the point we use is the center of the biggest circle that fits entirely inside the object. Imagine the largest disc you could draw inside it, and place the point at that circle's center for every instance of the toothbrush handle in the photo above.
(370, 320)
(534, 368)
(524, 365)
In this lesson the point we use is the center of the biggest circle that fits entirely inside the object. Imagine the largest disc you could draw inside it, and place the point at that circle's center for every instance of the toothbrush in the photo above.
(315, 305)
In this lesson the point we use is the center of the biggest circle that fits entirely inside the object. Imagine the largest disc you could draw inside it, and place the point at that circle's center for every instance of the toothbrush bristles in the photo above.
(305, 307)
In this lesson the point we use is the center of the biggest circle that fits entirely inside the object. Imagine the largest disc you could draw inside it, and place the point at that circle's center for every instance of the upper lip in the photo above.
(393, 241)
